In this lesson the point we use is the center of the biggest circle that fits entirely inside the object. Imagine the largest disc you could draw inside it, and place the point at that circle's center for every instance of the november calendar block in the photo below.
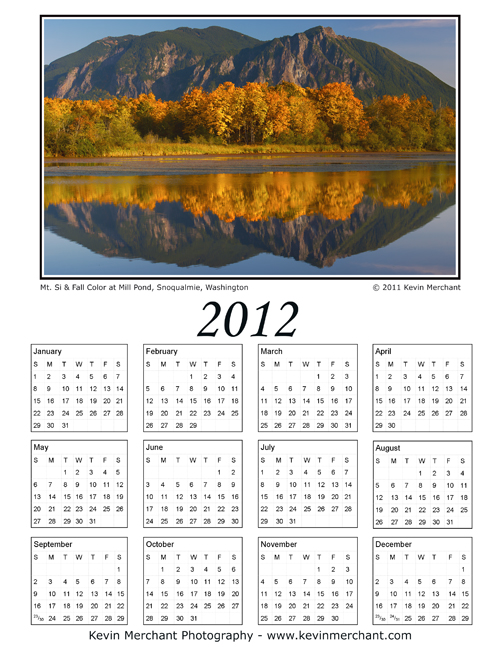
(422, 387)
(193, 387)
(78, 580)
(308, 483)
(422, 484)
(193, 580)
(78, 387)
(308, 581)
(422, 581)
(308, 387)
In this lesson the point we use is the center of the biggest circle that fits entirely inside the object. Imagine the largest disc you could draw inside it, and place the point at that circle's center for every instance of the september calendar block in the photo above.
(308, 387)
(193, 387)
(422, 387)
(422, 581)
(78, 387)
(422, 484)
(308, 483)
(193, 484)
(78, 580)
(190, 580)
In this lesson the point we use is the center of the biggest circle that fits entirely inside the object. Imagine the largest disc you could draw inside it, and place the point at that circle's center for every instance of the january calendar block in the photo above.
(79, 483)
(193, 387)
(422, 387)
(193, 484)
(308, 483)
(78, 580)
(422, 484)
(308, 581)
(308, 387)
(422, 581)
(78, 387)
(193, 580)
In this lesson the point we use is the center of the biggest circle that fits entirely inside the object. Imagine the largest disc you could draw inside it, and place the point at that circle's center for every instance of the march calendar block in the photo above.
(193, 580)
(308, 483)
(308, 581)
(422, 484)
(193, 387)
(422, 581)
(308, 387)
(422, 387)
(78, 580)
(78, 387)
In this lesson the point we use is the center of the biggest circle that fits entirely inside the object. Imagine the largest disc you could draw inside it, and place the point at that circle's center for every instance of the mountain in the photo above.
(170, 63)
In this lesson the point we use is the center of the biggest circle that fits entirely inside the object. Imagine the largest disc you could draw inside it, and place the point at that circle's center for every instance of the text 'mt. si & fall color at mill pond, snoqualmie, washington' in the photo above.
(192, 148)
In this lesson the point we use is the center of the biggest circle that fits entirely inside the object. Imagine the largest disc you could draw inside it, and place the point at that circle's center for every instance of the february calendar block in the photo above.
(422, 581)
(193, 387)
(308, 581)
(190, 580)
(78, 580)
(308, 387)
(422, 387)
(422, 485)
(308, 483)
(78, 387)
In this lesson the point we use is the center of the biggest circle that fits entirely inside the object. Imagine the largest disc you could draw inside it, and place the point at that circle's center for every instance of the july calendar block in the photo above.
(193, 484)
(422, 387)
(308, 387)
(193, 387)
(308, 483)
(196, 581)
(78, 387)
(422, 484)
(79, 483)
(78, 580)
(308, 581)
(422, 581)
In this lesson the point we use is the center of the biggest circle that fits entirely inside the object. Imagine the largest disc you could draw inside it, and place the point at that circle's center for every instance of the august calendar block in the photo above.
(78, 580)
(422, 581)
(193, 387)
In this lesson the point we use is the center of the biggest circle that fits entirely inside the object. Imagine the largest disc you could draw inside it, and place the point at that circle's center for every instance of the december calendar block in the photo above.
(422, 581)
(78, 387)
(308, 483)
(78, 581)
(308, 387)
(193, 580)
(422, 387)
(193, 387)
(308, 581)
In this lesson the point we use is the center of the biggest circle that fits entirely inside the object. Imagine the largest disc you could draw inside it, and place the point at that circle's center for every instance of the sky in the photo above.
(429, 42)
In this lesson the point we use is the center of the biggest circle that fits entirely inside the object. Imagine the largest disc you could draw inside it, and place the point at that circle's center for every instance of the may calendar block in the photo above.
(193, 580)
(78, 580)
(78, 387)
(308, 387)
(422, 484)
(308, 581)
(422, 387)
(308, 483)
(422, 581)
(193, 387)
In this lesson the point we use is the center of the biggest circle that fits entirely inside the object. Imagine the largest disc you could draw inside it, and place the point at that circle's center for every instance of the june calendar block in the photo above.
(193, 387)
(308, 483)
(78, 387)
(308, 387)
(422, 484)
(196, 581)
(422, 387)
(193, 484)
(422, 581)
(78, 580)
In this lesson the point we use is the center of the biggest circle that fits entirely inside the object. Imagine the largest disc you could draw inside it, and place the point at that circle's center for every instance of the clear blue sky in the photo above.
(428, 42)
